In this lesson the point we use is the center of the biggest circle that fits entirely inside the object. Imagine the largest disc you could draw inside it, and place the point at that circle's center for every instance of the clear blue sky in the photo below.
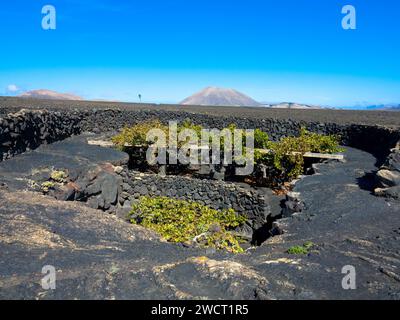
(289, 50)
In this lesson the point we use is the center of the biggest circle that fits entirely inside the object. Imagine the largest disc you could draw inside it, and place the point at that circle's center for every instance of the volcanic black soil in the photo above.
(98, 256)
(384, 118)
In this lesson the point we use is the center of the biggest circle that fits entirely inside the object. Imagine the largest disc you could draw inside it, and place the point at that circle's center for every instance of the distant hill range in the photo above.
(213, 96)
(384, 107)
(48, 94)
(290, 105)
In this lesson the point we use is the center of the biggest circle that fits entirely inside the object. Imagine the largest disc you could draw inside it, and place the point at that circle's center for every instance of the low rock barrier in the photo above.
(27, 129)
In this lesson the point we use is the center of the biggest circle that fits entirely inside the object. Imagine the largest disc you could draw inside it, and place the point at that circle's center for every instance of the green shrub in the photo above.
(188, 221)
(284, 159)
(188, 124)
(287, 155)
(136, 135)
(58, 176)
(47, 185)
(308, 244)
(297, 250)
(261, 139)
(304, 249)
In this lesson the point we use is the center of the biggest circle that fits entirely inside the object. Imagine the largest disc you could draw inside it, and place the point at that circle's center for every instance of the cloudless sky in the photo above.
(288, 50)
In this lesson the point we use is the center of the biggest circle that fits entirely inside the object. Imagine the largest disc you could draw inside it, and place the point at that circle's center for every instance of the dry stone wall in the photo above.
(27, 129)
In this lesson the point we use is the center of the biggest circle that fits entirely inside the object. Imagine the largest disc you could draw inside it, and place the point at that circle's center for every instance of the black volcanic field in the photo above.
(384, 118)
(99, 256)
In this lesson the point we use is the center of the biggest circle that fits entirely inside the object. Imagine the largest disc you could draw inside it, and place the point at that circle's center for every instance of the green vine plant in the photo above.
(136, 135)
(284, 158)
(301, 250)
(56, 177)
(182, 221)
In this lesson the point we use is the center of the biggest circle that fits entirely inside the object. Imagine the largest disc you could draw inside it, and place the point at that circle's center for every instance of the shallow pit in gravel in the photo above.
(100, 177)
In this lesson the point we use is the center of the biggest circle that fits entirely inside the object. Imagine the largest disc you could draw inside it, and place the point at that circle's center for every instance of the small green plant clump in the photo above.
(58, 176)
(47, 185)
(55, 177)
(184, 221)
(301, 250)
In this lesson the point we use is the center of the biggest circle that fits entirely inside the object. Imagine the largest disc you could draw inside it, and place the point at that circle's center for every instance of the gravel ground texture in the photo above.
(384, 118)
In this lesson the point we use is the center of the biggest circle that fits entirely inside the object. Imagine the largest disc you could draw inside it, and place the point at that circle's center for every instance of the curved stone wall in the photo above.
(27, 129)
(220, 195)
(375, 139)
(115, 188)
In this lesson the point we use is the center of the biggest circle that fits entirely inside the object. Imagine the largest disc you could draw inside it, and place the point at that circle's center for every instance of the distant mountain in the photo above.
(368, 106)
(384, 107)
(291, 105)
(48, 94)
(213, 96)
